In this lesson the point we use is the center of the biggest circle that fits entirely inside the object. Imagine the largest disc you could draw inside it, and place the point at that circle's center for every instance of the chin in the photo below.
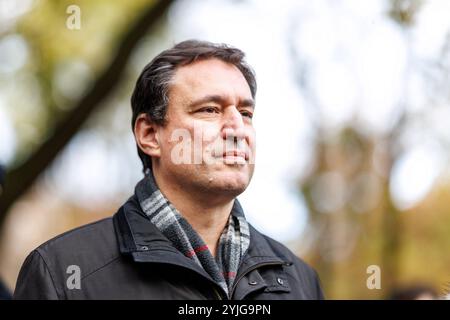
(233, 182)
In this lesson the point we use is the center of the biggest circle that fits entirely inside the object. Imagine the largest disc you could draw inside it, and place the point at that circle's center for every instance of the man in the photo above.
(183, 234)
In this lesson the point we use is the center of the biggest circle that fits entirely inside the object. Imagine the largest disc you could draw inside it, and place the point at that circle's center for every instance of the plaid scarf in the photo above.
(233, 243)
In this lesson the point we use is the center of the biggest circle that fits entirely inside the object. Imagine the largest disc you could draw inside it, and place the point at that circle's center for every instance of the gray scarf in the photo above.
(233, 242)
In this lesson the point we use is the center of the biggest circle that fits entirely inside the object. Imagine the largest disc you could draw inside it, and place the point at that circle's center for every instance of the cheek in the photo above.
(251, 134)
(189, 141)
(175, 141)
(207, 134)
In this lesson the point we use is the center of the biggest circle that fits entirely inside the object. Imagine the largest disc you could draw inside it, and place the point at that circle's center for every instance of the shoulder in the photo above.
(87, 249)
(86, 235)
(88, 245)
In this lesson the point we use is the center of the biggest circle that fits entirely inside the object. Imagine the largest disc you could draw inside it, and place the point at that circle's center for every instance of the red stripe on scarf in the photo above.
(229, 274)
(195, 250)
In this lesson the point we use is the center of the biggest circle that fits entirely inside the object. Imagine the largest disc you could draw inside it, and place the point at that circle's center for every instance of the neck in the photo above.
(207, 216)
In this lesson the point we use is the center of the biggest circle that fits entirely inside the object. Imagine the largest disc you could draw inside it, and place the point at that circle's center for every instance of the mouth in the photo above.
(234, 157)
(235, 153)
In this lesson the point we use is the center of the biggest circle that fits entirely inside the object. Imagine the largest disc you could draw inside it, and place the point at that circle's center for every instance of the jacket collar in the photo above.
(140, 239)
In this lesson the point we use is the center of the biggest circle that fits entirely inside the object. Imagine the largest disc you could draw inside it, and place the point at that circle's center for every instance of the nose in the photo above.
(233, 127)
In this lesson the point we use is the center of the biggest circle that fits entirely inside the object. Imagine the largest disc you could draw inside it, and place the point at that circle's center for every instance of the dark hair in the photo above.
(151, 93)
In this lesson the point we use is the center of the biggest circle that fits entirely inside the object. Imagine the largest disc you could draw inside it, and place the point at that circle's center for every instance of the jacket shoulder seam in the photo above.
(99, 268)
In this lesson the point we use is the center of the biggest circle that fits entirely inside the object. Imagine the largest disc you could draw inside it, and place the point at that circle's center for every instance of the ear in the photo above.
(146, 135)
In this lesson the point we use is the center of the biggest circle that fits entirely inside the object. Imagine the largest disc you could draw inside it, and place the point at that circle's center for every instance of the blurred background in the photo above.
(352, 121)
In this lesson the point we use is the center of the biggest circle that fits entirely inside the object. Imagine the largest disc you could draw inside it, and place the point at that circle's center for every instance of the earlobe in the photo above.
(146, 135)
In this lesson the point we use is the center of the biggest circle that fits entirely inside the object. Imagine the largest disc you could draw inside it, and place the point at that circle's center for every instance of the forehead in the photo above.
(211, 76)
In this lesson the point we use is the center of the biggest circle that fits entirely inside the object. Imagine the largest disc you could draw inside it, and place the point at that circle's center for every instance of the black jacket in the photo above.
(127, 257)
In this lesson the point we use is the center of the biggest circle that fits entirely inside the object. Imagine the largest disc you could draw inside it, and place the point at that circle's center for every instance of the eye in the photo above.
(247, 114)
(209, 110)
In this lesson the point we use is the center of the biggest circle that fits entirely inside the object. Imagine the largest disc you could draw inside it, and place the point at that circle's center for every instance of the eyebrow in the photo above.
(221, 100)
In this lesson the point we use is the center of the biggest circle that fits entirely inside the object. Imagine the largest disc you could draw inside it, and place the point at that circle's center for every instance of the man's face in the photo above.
(208, 141)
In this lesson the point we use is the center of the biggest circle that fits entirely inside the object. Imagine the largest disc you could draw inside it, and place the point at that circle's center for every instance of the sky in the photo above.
(356, 57)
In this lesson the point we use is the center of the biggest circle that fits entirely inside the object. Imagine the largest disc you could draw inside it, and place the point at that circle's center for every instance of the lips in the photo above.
(235, 153)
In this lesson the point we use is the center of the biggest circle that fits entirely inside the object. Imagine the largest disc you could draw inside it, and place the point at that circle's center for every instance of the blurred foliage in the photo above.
(102, 24)
(404, 11)
(52, 45)
(58, 128)
(354, 222)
